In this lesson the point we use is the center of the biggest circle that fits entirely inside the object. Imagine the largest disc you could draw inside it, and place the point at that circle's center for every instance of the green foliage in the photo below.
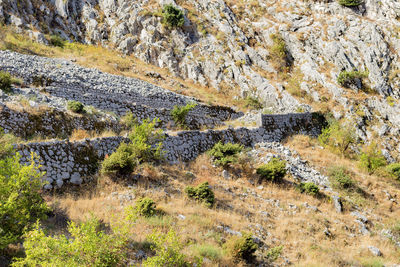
(274, 253)
(168, 251)
(209, 251)
(121, 162)
(394, 170)
(179, 113)
(350, 3)
(225, 154)
(348, 78)
(145, 146)
(172, 16)
(75, 106)
(340, 178)
(391, 101)
(338, 138)
(278, 53)
(145, 207)
(253, 103)
(202, 193)
(372, 159)
(5, 82)
(20, 201)
(56, 40)
(309, 188)
(274, 170)
(6, 144)
(129, 120)
(85, 245)
(241, 248)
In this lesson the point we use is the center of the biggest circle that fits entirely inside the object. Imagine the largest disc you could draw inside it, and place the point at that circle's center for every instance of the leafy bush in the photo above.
(179, 113)
(21, 204)
(85, 246)
(172, 16)
(121, 162)
(202, 193)
(338, 138)
(394, 170)
(279, 53)
(75, 106)
(6, 144)
(129, 120)
(145, 207)
(253, 103)
(225, 154)
(341, 178)
(372, 159)
(5, 82)
(274, 170)
(241, 248)
(56, 40)
(274, 253)
(309, 188)
(168, 251)
(350, 3)
(348, 78)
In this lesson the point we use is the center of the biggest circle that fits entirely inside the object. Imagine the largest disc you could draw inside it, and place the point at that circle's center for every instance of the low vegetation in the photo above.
(279, 53)
(75, 106)
(349, 78)
(309, 188)
(241, 247)
(253, 103)
(371, 158)
(201, 193)
(172, 16)
(179, 113)
(6, 82)
(273, 171)
(225, 154)
(56, 40)
(338, 138)
(145, 207)
(394, 170)
(350, 3)
(340, 178)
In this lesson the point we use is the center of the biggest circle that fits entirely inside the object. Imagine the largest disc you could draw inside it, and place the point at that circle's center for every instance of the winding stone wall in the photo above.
(71, 161)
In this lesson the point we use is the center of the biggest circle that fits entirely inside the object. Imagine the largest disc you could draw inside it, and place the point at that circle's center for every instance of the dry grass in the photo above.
(80, 134)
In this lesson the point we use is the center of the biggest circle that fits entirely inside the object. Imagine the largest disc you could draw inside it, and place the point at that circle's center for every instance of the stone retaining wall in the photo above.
(69, 162)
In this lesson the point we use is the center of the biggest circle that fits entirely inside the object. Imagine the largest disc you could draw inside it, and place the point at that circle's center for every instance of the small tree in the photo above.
(274, 170)
(202, 193)
(241, 248)
(179, 113)
(172, 16)
(225, 154)
(121, 162)
(372, 159)
(338, 138)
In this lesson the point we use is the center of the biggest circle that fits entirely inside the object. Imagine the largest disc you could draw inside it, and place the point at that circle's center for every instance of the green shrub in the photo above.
(338, 138)
(350, 3)
(241, 248)
(274, 253)
(86, 245)
(309, 188)
(168, 251)
(394, 170)
(172, 16)
(56, 40)
(372, 159)
(225, 154)
(5, 82)
(121, 162)
(202, 193)
(391, 101)
(6, 144)
(253, 103)
(274, 170)
(129, 120)
(21, 204)
(348, 78)
(75, 106)
(179, 113)
(340, 178)
(145, 207)
(278, 53)
(211, 252)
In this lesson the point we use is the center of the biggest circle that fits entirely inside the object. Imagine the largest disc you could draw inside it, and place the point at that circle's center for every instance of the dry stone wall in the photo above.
(70, 162)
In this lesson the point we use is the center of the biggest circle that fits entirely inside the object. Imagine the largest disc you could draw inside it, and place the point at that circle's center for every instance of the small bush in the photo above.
(145, 207)
(338, 138)
(241, 248)
(129, 120)
(350, 3)
(6, 144)
(121, 162)
(172, 16)
(202, 193)
(372, 159)
(179, 113)
(348, 78)
(85, 246)
(279, 53)
(75, 106)
(168, 251)
(211, 252)
(274, 253)
(5, 82)
(341, 178)
(56, 40)
(253, 103)
(309, 188)
(273, 171)
(394, 170)
(225, 154)
(391, 101)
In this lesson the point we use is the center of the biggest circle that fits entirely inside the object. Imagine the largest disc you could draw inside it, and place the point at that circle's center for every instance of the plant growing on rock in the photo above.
(278, 53)
(253, 103)
(145, 207)
(338, 137)
(172, 16)
(394, 170)
(350, 3)
(56, 40)
(273, 171)
(5, 82)
(349, 78)
(309, 188)
(179, 113)
(225, 154)
(201, 193)
(75, 106)
(371, 158)
(241, 248)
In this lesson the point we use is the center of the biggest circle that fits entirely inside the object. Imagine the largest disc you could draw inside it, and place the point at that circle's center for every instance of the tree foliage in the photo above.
(225, 154)
(172, 16)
